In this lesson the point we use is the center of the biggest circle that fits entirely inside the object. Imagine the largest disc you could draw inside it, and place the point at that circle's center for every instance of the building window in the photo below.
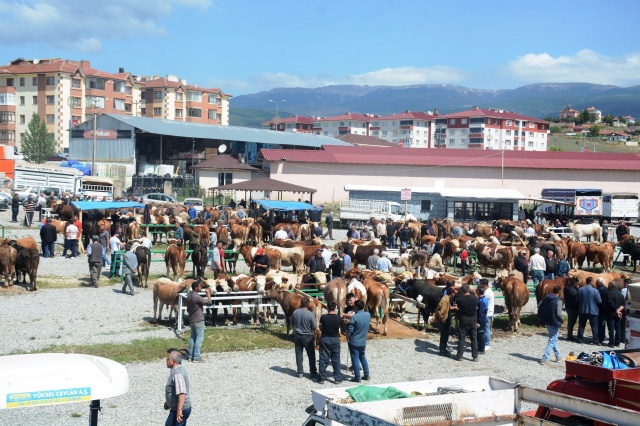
(119, 86)
(384, 133)
(375, 123)
(23, 119)
(35, 100)
(507, 132)
(51, 81)
(425, 206)
(463, 141)
(476, 140)
(22, 136)
(178, 113)
(452, 141)
(7, 135)
(76, 83)
(530, 145)
(50, 99)
(7, 117)
(507, 142)
(477, 120)
(508, 122)
(157, 95)
(452, 121)
(178, 96)
(22, 100)
(213, 115)
(463, 131)
(127, 107)
(95, 101)
(452, 131)
(194, 96)
(118, 104)
(76, 102)
(96, 83)
(225, 178)
(212, 99)
(76, 118)
(22, 82)
(531, 124)
(194, 112)
(143, 111)
(127, 90)
(51, 118)
(34, 81)
(375, 132)
(476, 211)
(530, 134)
(157, 111)
(463, 121)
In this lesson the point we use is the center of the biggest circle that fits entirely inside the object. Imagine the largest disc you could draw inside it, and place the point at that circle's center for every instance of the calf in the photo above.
(378, 301)
(7, 263)
(27, 261)
(143, 255)
(292, 301)
(577, 253)
(175, 257)
(200, 258)
(165, 292)
(516, 295)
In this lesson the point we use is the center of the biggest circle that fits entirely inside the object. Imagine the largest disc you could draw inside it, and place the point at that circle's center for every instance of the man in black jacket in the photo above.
(329, 221)
(15, 208)
(615, 306)
(550, 314)
(571, 306)
(48, 236)
(94, 256)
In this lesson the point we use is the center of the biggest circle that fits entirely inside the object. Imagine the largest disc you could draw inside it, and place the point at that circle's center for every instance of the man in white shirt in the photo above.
(115, 244)
(537, 267)
(488, 294)
(326, 255)
(280, 234)
(381, 228)
(71, 241)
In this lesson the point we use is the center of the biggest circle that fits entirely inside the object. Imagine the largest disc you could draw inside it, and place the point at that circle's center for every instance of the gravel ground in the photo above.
(225, 385)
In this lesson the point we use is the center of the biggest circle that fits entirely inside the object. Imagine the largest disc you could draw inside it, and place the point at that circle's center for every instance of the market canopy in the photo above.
(264, 184)
(105, 205)
(286, 205)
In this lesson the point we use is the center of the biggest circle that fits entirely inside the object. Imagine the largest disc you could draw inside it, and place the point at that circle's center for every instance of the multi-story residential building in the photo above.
(66, 93)
(347, 123)
(491, 129)
(173, 99)
(297, 124)
(569, 112)
(595, 115)
(409, 129)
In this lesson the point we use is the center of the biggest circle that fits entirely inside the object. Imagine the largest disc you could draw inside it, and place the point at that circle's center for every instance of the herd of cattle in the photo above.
(496, 246)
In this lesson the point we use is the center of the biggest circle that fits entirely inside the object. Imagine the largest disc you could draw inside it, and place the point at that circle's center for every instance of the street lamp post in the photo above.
(95, 131)
(277, 104)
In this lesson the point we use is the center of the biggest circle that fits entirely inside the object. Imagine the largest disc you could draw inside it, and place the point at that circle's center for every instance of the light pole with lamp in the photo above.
(95, 131)
(277, 104)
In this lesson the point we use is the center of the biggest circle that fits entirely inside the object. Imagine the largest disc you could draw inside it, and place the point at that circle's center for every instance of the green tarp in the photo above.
(364, 393)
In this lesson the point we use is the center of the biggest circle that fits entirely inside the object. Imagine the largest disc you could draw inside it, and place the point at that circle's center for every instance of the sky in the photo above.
(248, 46)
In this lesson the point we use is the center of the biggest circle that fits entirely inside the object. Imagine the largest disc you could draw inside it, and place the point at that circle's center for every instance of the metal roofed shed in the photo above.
(459, 204)
(53, 378)
(265, 184)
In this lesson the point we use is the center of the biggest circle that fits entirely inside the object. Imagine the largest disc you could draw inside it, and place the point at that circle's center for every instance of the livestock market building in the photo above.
(457, 182)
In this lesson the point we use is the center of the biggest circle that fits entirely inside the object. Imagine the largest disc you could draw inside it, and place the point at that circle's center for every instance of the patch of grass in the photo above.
(76, 415)
(215, 341)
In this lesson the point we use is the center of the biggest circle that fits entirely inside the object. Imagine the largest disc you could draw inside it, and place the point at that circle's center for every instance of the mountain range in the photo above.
(536, 100)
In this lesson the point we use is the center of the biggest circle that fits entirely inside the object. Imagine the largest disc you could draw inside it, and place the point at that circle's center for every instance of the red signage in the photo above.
(74, 123)
(101, 134)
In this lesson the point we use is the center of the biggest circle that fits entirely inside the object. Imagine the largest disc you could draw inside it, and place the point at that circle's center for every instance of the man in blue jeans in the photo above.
(550, 314)
(304, 324)
(357, 332)
(537, 266)
(195, 303)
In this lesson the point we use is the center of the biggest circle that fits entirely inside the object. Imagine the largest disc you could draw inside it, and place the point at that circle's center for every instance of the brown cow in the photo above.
(27, 261)
(249, 252)
(292, 301)
(498, 257)
(582, 276)
(336, 291)
(360, 254)
(378, 301)
(546, 287)
(165, 292)
(516, 295)
(293, 257)
(7, 263)
(482, 229)
(599, 253)
(175, 257)
(577, 253)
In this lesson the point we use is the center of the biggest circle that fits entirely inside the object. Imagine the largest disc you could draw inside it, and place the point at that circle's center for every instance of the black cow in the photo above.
(430, 293)
(27, 261)
(632, 249)
(543, 246)
(144, 264)
(200, 259)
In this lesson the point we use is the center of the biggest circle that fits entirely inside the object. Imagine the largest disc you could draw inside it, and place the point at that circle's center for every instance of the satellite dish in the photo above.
(222, 149)
(36, 61)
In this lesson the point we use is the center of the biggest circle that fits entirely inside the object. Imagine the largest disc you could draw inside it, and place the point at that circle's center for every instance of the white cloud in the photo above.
(585, 66)
(83, 25)
(405, 76)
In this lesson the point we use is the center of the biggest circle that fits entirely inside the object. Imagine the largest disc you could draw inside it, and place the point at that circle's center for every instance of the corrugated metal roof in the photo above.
(458, 158)
(223, 162)
(492, 193)
(265, 184)
(227, 133)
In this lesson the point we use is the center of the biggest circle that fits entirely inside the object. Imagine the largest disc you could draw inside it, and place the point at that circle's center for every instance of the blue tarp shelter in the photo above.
(105, 205)
(282, 206)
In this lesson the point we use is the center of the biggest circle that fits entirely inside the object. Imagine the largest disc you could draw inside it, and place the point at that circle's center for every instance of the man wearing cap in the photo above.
(261, 262)
(316, 263)
(94, 256)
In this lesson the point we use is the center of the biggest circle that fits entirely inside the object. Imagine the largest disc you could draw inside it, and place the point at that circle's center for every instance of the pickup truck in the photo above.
(359, 212)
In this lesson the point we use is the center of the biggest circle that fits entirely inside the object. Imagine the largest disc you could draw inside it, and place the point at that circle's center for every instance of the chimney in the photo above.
(435, 111)
(121, 70)
(85, 64)
(406, 111)
(475, 107)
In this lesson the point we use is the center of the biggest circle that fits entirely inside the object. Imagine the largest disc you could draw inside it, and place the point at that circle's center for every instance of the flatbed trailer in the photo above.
(480, 400)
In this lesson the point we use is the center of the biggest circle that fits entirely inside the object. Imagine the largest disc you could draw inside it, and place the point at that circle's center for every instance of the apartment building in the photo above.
(491, 129)
(569, 112)
(297, 124)
(595, 115)
(409, 129)
(66, 93)
(347, 123)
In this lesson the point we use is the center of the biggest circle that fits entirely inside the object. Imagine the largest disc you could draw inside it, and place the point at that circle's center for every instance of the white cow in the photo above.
(585, 230)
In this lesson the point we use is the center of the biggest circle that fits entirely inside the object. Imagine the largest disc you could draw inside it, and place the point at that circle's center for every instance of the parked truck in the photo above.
(359, 212)
(66, 179)
(480, 400)
(620, 206)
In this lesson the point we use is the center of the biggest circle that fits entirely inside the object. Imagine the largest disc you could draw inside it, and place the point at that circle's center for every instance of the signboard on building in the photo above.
(405, 194)
(101, 134)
